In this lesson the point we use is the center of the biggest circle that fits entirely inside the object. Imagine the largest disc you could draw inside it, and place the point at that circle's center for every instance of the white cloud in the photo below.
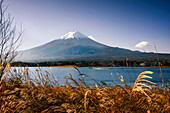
(142, 44)
(91, 37)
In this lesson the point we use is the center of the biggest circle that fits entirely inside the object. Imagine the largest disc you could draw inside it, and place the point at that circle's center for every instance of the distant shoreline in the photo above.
(124, 63)
(89, 66)
(61, 66)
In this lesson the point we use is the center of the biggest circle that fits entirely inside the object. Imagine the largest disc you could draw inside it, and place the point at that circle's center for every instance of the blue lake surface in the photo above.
(107, 74)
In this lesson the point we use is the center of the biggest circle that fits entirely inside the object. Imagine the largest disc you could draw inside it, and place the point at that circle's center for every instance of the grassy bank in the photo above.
(19, 93)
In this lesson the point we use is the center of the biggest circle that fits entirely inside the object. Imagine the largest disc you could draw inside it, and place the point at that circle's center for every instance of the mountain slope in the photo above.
(76, 46)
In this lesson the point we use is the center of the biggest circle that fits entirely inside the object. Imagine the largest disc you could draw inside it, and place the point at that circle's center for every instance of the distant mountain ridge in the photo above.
(77, 46)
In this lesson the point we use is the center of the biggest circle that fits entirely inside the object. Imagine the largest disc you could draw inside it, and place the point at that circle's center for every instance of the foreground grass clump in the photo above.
(21, 94)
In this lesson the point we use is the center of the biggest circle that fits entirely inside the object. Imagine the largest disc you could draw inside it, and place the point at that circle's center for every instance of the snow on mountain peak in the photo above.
(72, 35)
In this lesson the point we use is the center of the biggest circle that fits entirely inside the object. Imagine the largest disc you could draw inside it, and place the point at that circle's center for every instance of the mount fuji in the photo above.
(77, 46)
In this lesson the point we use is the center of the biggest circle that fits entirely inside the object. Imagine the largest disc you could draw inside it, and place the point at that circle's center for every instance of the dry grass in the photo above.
(19, 93)
(143, 87)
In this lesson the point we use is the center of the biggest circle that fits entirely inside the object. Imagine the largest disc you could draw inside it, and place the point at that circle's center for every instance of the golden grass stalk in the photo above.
(2, 63)
(6, 72)
(142, 87)
(85, 99)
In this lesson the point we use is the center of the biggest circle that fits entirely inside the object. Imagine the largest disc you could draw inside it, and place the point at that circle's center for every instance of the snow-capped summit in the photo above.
(72, 35)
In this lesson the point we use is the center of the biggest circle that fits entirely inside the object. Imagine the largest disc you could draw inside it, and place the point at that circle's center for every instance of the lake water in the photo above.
(108, 74)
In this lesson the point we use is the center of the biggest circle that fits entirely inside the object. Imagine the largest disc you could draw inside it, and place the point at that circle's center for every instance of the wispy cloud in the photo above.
(91, 37)
(142, 44)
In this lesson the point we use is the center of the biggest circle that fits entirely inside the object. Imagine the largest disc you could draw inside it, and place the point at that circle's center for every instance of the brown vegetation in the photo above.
(19, 93)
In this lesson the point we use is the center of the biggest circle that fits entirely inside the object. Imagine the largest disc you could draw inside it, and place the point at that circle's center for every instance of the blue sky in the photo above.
(117, 23)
